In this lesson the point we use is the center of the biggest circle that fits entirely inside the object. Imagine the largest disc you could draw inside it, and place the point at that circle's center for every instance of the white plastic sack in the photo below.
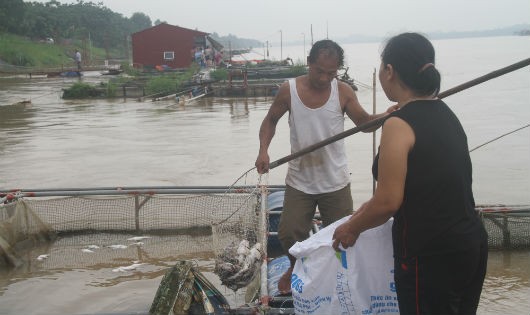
(358, 281)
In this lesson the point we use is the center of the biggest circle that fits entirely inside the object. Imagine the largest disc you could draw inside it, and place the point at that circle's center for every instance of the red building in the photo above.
(166, 44)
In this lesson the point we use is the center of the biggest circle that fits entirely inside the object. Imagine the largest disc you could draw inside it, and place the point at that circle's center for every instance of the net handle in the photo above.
(379, 121)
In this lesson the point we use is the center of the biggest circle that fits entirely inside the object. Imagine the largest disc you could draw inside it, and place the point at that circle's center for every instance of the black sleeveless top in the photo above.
(438, 211)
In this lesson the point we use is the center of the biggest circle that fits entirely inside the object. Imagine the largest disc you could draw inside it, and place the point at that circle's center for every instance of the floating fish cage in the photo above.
(203, 219)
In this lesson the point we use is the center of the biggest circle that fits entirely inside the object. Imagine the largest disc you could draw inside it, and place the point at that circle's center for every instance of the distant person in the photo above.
(218, 57)
(424, 179)
(316, 103)
(77, 58)
(208, 56)
(199, 57)
(192, 53)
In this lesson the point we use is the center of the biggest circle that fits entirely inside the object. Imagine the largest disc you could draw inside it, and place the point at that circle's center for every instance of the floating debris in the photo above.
(86, 250)
(237, 265)
(93, 247)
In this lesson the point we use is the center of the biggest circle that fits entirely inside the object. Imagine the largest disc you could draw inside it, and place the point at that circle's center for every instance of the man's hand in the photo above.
(262, 163)
(392, 108)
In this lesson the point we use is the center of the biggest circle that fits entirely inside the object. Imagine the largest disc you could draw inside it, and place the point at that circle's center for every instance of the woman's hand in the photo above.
(345, 235)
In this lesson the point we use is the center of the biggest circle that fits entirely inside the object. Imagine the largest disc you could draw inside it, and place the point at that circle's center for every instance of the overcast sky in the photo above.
(264, 19)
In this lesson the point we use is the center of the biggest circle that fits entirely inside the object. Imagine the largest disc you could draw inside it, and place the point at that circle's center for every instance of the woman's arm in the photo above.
(397, 139)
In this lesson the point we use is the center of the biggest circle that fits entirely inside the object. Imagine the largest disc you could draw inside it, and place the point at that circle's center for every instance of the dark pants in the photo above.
(441, 284)
(299, 209)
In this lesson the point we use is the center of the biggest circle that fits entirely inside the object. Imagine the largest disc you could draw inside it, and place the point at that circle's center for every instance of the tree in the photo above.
(11, 13)
(139, 21)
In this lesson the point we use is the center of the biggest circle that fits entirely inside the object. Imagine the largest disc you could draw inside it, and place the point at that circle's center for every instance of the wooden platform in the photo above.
(252, 88)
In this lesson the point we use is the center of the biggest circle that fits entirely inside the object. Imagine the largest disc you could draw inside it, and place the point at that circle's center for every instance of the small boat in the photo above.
(344, 77)
(112, 72)
(53, 74)
(184, 290)
(71, 74)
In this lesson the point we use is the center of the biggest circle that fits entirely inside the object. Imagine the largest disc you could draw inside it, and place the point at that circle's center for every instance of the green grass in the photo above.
(219, 74)
(19, 51)
(23, 52)
(81, 90)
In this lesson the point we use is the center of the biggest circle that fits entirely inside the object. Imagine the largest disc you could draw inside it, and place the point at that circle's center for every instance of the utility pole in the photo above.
(311, 35)
(305, 58)
(281, 45)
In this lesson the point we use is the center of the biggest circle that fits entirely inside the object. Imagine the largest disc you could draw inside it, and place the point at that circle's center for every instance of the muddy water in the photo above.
(58, 143)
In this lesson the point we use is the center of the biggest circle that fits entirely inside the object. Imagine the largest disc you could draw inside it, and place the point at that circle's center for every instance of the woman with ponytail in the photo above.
(424, 181)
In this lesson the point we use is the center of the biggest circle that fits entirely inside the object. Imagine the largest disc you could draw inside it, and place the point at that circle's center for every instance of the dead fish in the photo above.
(118, 246)
(42, 257)
(237, 265)
(127, 268)
(138, 238)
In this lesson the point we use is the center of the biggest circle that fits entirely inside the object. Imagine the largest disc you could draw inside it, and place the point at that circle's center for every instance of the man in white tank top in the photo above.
(316, 103)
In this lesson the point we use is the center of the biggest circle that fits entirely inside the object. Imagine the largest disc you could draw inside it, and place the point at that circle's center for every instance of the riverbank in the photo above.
(19, 55)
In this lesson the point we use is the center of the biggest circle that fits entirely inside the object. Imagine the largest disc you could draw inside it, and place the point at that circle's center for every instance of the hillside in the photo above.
(519, 29)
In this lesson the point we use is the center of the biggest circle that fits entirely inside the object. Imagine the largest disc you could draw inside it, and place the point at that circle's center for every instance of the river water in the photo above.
(96, 143)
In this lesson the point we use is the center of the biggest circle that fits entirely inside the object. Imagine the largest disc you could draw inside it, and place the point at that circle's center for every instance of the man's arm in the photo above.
(355, 111)
(279, 107)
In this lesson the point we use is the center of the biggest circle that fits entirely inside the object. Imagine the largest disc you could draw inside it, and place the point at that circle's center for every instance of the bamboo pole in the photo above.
(148, 191)
(374, 138)
(379, 121)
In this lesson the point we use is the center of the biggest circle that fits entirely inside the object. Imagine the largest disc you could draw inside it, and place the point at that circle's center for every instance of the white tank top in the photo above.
(325, 169)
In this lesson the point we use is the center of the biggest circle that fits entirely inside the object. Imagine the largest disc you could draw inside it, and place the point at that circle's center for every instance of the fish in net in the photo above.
(240, 240)
(238, 264)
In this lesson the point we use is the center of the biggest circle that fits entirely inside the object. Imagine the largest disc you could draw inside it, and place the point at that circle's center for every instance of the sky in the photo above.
(292, 20)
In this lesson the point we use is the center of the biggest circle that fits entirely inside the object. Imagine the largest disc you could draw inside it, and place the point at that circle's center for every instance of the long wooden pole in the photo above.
(379, 121)
(374, 140)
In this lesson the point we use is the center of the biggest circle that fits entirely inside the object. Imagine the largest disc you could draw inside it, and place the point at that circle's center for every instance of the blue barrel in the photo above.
(275, 269)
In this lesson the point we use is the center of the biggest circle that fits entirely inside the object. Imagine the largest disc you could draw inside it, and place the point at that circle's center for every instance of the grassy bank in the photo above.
(23, 52)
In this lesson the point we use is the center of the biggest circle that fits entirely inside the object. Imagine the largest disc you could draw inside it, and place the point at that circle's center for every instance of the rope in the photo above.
(503, 135)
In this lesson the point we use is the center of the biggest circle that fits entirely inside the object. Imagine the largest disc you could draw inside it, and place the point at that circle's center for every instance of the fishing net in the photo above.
(20, 228)
(227, 224)
(508, 227)
(208, 219)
